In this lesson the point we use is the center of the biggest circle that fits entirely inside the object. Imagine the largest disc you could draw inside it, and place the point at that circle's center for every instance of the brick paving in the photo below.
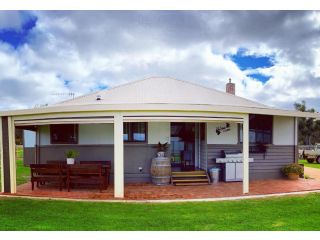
(146, 191)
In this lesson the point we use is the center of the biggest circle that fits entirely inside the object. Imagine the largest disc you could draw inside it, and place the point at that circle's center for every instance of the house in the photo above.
(123, 124)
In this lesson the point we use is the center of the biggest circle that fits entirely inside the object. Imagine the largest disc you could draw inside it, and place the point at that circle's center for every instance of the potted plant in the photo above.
(292, 171)
(71, 155)
(162, 148)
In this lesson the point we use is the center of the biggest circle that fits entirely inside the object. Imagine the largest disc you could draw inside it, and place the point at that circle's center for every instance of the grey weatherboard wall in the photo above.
(265, 165)
(135, 156)
(203, 155)
(29, 155)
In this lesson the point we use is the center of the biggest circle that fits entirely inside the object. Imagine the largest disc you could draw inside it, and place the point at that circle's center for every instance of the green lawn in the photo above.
(19, 152)
(23, 173)
(312, 165)
(282, 213)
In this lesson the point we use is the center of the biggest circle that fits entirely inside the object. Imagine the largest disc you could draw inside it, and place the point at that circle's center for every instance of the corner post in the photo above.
(245, 150)
(1, 158)
(7, 150)
(118, 156)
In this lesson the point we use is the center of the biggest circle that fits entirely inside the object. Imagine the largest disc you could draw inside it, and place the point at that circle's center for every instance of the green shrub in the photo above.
(292, 168)
(72, 154)
(162, 147)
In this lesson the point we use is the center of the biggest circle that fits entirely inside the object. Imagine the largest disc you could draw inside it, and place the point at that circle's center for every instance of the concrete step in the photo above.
(197, 177)
(190, 180)
(192, 184)
(189, 175)
(189, 172)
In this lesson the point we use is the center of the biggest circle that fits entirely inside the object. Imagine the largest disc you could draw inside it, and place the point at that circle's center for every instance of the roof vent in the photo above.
(98, 98)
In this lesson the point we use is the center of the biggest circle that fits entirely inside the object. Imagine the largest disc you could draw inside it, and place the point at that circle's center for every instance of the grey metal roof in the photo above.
(162, 94)
(163, 90)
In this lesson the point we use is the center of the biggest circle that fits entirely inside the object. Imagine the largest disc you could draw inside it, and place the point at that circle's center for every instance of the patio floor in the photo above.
(146, 191)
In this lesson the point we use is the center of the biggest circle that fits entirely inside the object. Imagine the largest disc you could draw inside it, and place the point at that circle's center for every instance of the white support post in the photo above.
(12, 155)
(118, 157)
(245, 145)
(1, 157)
(296, 150)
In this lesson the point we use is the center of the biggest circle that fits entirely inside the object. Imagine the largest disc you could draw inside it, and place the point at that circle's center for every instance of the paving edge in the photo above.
(163, 200)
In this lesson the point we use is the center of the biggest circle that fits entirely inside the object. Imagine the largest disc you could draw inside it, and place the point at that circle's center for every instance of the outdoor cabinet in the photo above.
(233, 172)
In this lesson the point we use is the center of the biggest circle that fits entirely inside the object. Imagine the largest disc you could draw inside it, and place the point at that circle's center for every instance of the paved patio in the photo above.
(312, 172)
(146, 191)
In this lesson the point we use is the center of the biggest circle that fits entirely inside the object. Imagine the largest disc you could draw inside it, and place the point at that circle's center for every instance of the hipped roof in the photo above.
(162, 94)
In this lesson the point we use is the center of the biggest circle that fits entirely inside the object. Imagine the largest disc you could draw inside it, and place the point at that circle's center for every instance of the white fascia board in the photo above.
(62, 121)
(64, 115)
(89, 109)
(132, 116)
(180, 119)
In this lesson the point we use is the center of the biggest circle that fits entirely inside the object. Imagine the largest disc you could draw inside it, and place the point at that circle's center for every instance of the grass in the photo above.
(19, 152)
(283, 213)
(311, 165)
(23, 173)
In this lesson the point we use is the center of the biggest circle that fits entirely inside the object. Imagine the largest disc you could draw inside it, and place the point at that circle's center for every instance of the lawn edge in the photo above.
(247, 197)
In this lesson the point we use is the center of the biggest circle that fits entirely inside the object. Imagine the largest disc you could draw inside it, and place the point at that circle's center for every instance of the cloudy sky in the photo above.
(273, 57)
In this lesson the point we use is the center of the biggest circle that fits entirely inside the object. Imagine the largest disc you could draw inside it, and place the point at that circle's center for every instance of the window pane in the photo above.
(139, 132)
(125, 137)
(134, 132)
(126, 132)
(260, 129)
(252, 136)
(64, 134)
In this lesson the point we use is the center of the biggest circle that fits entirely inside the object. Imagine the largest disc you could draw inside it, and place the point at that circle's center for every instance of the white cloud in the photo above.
(88, 50)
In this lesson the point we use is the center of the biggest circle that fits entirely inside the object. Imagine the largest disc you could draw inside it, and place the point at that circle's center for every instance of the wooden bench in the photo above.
(105, 169)
(105, 163)
(42, 173)
(85, 174)
(57, 162)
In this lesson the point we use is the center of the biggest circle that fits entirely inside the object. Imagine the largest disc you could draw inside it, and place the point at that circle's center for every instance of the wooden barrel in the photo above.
(161, 170)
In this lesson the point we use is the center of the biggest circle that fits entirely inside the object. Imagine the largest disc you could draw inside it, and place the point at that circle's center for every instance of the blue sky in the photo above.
(17, 37)
(272, 56)
(246, 61)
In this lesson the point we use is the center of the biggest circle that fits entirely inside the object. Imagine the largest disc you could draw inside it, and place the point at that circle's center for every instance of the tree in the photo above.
(309, 129)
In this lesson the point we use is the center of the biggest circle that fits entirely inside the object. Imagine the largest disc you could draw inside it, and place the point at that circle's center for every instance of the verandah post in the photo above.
(245, 150)
(12, 155)
(1, 157)
(118, 156)
(7, 151)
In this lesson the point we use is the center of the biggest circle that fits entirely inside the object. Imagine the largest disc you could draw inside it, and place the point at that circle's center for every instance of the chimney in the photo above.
(231, 87)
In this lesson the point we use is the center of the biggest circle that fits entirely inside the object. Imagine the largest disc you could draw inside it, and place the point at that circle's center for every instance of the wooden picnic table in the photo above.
(84, 172)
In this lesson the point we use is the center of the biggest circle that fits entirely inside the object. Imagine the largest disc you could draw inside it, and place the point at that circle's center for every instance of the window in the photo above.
(260, 129)
(64, 134)
(135, 132)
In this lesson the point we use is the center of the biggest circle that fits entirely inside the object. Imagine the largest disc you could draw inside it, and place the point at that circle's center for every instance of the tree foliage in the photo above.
(309, 129)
